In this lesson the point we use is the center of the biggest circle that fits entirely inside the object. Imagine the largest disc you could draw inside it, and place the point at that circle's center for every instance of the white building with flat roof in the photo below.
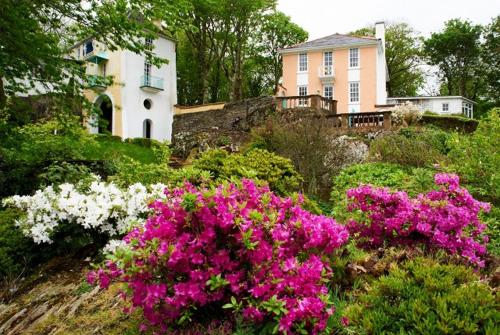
(443, 105)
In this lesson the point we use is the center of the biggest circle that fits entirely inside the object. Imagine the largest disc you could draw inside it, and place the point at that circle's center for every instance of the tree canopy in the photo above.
(35, 37)
(403, 58)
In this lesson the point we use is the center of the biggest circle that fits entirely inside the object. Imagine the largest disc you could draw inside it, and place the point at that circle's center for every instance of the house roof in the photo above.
(421, 97)
(331, 41)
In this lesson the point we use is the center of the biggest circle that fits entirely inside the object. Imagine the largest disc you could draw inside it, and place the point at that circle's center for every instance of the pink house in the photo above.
(349, 69)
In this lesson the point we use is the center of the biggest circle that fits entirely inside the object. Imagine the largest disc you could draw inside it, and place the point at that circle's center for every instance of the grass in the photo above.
(111, 148)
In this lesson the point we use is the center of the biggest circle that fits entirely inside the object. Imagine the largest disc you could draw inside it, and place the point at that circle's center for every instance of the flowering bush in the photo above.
(406, 114)
(240, 248)
(103, 207)
(446, 218)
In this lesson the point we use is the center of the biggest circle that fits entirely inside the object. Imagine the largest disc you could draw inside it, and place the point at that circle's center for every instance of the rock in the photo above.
(12, 320)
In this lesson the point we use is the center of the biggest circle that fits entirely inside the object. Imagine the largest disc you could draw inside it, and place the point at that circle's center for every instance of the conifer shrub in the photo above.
(423, 296)
(258, 164)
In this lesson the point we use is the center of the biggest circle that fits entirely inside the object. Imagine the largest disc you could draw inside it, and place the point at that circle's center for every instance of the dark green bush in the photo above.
(393, 176)
(426, 297)
(450, 122)
(411, 147)
(17, 252)
(31, 149)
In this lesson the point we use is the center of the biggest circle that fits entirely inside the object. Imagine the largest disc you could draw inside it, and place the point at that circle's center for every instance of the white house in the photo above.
(140, 100)
(443, 105)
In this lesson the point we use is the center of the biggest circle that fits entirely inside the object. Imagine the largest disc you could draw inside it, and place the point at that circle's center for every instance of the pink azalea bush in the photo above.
(443, 219)
(240, 249)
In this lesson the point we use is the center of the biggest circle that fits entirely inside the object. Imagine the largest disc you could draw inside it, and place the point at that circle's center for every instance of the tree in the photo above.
(403, 57)
(456, 51)
(35, 36)
(276, 32)
(490, 56)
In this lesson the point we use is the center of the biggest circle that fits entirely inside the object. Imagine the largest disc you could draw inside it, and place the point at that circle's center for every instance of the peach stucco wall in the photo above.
(367, 74)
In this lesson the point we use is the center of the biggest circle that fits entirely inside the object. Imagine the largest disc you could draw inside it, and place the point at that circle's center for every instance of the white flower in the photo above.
(104, 207)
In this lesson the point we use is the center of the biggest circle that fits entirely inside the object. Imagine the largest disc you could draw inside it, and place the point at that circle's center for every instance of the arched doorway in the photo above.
(105, 109)
(147, 126)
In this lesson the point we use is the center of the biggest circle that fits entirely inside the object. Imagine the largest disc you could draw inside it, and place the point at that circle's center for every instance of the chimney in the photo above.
(380, 31)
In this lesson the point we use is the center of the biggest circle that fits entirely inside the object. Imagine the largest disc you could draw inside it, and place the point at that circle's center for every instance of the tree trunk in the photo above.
(3, 97)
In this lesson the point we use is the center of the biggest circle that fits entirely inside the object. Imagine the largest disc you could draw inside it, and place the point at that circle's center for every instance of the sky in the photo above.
(325, 17)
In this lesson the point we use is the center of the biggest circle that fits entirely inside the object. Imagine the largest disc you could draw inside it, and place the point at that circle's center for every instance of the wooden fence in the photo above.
(353, 121)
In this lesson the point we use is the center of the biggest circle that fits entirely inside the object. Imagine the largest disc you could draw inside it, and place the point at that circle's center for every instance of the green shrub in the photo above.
(258, 164)
(425, 297)
(411, 147)
(17, 252)
(31, 149)
(450, 122)
(311, 144)
(476, 158)
(144, 142)
(63, 172)
(393, 176)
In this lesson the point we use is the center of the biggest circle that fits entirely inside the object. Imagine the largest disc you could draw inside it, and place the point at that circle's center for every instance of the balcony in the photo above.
(94, 52)
(98, 83)
(151, 83)
(326, 74)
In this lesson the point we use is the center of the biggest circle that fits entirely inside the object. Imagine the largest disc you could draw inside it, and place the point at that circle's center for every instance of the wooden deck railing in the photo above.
(349, 121)
(329, 106)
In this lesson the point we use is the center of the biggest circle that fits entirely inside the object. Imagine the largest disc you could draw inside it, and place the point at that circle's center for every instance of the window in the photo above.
(149, 43)
(328, 63)
(146, 128)
(354, 92)
(303, 92)
(147, 103)
(354, 57)
(467, 109)
(445, 107)
(88, 48)
(328, 91)
(147, 73)
(302, 62)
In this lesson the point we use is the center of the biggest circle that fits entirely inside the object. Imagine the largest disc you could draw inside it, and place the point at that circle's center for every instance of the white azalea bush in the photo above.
(102, 207)
(406, 114)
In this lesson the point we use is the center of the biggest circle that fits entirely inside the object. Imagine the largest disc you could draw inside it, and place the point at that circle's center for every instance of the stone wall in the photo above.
(233, 122)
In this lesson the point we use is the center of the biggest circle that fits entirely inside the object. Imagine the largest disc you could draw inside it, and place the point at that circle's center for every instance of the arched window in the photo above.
(147, 126)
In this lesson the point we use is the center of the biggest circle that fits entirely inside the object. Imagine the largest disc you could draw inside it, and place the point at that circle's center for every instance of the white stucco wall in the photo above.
(161, 113)
(435, 104)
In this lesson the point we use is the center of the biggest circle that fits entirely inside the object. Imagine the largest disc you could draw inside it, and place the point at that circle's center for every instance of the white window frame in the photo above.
(303, 66)
(330, 87)
(443, 109)
(353, 84)
(328, 63)
(352, 58)
(302, 91)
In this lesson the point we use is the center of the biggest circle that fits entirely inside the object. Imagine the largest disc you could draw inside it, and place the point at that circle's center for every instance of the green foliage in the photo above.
(62, 172)
(316, 152)
(26, 153)
(393, 176)
(16, 250)
(258, 164)
(476, 158)
(450, 122)
(411, 147)
(54, 26)
(403, 55)
(233, 50)
(456, 51)
(425, 297)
